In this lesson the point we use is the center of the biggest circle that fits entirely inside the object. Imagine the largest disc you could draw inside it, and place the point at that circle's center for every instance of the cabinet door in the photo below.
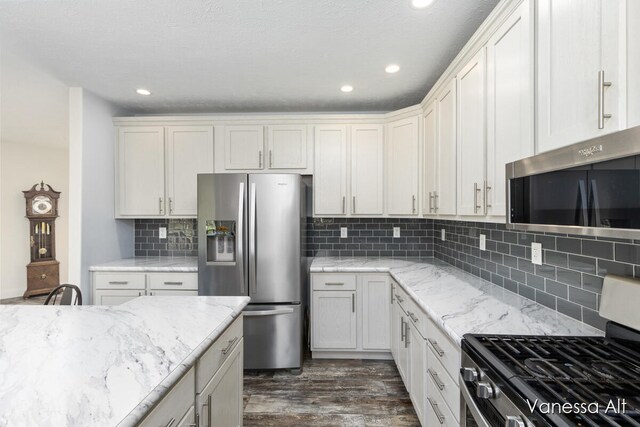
(418, 362)
(633, 63)
(577, 39)
(220, 403)
(509, 102)
(334, 320)
(445, 200)
(243, 147)
(367, 173)
(430, 159)
(175, 405)
(396, 333)
(189, 419)
(376, 312)
(189, 152)
(403, 350)
(471, 141)
(287, 147)
(402, 172)
(330, 170)
(141, 171)
(114, 297)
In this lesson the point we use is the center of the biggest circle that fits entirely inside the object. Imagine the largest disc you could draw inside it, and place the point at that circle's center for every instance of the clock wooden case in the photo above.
(43, 272)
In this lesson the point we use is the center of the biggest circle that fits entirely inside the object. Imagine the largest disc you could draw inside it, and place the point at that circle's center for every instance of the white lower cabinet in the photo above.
(175, 406)
(334, 325)
(114, 288)
(418, 368)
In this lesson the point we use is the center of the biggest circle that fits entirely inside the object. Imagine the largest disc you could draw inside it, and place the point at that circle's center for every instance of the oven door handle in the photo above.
(471, 404)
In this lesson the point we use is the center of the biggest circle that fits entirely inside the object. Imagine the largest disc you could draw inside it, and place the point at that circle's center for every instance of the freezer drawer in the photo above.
(273, 336)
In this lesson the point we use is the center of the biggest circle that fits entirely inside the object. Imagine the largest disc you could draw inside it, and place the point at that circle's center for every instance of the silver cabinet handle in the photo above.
(270, 158)
(431, 197)
(487, 187)
(208, 405)
(436, 347)
(259, 159)
(353, 208)
(399, 298)
(173, 283)
(150, 293)
(344, 200)
(435, 201)
(160, 205)
(171, 422)
(353, 303)
(412, 316)
(406, 334)
(170, 205)
(118, 283)
(334, 284)
(435, 408)
(402, 330)
(476, 190)
(436, 379)
(229, 346)
(413, 204)
(139, 294)
(601, 85)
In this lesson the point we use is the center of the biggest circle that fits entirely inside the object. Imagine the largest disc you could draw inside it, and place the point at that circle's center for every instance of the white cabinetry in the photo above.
(177, 407)
(376, 312)
(367, 173)
(113, 288)
(445, 197)
(287, 147)
(403, 155)
(577, 41)
(471, 136)
(334, 324)
(418, 365)
(243, 147)
(330, 170)
(430, 168)
(633, 63)
(140, 174)
(510, 93)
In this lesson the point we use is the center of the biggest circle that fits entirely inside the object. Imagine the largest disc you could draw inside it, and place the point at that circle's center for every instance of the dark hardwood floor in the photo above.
(329, 393)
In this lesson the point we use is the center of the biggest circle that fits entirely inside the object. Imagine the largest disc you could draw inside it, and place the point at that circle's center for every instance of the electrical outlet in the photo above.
(162, 232)
(483, 242)
(442, 235)
(396, 231)
(343, 232)
(536, 253)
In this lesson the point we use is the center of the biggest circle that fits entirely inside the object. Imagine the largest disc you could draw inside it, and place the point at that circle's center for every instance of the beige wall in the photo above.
(34, 146)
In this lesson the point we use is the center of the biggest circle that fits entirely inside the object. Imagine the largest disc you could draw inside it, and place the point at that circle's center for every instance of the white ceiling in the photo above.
(244, 55)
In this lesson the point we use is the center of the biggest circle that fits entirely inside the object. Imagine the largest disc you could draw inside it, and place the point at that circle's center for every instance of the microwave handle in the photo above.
(582, 188)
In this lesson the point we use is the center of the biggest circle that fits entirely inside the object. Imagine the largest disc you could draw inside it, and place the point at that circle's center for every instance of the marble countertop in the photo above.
(160, 264)
(459, 302)
(99, 365)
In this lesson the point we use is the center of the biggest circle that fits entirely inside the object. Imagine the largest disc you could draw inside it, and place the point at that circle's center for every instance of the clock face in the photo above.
(41, 205)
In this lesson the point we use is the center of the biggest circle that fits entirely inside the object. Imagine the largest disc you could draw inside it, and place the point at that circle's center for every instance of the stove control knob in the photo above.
(469, 374)
(514, 421)
(484, 391)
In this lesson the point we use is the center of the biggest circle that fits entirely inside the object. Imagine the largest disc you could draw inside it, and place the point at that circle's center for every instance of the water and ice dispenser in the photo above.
(221, 241)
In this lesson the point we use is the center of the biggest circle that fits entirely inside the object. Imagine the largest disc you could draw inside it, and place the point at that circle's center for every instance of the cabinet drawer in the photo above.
(215, 356)
(443, 382)
(334, 282)
(175, 405)
(119, 280)
(174, 281)
(417, 316)
(438, 413)
(443, 348)
(401, 296)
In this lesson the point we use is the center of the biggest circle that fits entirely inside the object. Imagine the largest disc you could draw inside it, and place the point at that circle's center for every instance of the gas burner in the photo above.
(544, 368)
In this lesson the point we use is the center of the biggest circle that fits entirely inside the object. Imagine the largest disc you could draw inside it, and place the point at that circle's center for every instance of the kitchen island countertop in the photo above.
(459, 302)
(99, 365)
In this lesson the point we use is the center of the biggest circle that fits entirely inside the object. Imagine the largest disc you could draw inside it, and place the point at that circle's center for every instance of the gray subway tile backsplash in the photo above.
(182, 239)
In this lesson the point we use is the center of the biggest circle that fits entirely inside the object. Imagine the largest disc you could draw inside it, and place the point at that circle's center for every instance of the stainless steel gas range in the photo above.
(525, 381)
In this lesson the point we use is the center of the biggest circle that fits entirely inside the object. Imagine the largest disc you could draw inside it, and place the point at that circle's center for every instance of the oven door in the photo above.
(470, 415)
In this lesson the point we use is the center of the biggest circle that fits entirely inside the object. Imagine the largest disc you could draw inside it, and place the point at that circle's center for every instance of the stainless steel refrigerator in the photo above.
(249, 239)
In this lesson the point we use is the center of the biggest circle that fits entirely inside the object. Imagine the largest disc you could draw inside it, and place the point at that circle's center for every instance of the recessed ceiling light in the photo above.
(392, 68)
(144, 92)
(347, 88)
(420, 4)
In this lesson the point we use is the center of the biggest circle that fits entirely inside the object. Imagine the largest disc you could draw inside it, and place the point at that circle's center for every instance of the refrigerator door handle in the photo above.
(252, 239)
(267, 312)
(240, 242)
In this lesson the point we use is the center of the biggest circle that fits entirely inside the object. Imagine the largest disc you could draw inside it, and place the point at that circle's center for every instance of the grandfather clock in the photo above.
(43, 272)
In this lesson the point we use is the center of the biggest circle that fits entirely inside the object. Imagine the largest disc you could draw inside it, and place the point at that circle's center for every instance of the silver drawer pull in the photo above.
(412, 316)
(436, 379)
(171, 422)
(436, 347)
(173, 283)
(118, 283)
(334, 284)
(399, 298)
(435, 408)
(230, 346)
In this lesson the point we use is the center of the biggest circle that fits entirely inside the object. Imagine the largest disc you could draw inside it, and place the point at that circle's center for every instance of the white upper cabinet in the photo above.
(403, 163)
(330, 177)
(471, 136)
(445, 197)
(287, 147)
(141, 171)
(509, 102)
(430, 165)
(633, 63)
(244, 147)
(189, 152)
(367, 171)
(579, 41)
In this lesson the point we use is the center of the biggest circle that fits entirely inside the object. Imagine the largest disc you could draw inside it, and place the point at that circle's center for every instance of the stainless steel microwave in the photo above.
(590, 188)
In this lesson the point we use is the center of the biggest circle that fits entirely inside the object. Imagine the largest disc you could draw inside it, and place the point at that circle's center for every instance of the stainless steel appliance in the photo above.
(249, 234)
(590, 188)
(525, 381)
